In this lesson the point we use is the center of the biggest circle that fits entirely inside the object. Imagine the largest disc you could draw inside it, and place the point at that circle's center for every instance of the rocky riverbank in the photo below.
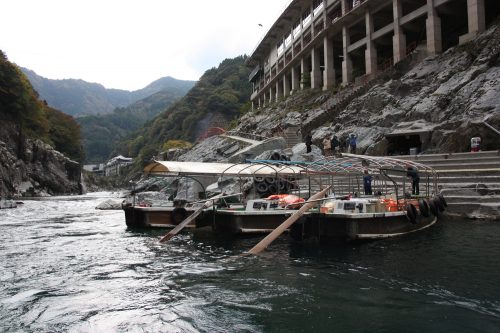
(33, 168)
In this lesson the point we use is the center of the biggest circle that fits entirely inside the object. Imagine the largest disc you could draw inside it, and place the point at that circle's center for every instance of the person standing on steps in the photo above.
(308, 142)
(367, 183)
(327, 148)
(335, 144)
(412, 172)
(352, 142)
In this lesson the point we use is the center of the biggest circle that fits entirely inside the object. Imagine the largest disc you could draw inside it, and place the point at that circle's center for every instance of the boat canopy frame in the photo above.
(324, 171)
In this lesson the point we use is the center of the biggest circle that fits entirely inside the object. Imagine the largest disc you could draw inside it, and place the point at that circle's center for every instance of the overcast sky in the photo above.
(127, 44)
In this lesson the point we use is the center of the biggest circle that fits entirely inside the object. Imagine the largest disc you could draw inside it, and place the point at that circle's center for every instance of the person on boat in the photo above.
(352, 142)
(327, 148)
(308, 142)
(347, 142)
(367, 183)
(335, 144)
(412, 172)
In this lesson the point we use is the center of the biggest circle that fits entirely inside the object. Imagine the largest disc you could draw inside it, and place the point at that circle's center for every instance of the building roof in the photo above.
(293, 9)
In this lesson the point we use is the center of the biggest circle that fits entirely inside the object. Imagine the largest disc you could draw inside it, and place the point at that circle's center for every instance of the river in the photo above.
(67, 267)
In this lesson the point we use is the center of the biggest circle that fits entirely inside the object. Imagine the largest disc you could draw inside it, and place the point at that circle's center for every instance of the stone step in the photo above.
(460, 189)
(481, 160)
(494, 179)
(450, 156)
(462, 173)
(474, 210)
(470, 166)
(472, 198)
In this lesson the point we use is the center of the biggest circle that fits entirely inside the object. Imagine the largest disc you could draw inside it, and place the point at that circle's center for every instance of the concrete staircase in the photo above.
(470, 182)
(292, 136)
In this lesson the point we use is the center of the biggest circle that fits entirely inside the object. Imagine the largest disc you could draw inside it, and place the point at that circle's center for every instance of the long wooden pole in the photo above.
(263, 244)
(190, 218)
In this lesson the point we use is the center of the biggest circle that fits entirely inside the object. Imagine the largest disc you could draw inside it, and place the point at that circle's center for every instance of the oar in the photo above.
(288, 222)
(190, 218)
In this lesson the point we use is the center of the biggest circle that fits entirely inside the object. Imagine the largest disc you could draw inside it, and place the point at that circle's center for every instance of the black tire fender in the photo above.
(443, 201)
(439, 204)
(270, 180)
(433, 208)
(281, 186)
(423, 206)
(411, 213)
(178, 215)
(276, 156)
(273, 189)
(262, 187)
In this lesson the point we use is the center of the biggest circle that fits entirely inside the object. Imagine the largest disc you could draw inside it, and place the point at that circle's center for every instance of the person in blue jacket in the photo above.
(352, 142)
(367, 183)
(412, 172)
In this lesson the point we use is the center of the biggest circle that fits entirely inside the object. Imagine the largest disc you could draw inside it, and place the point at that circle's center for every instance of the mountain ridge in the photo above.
(77, 97)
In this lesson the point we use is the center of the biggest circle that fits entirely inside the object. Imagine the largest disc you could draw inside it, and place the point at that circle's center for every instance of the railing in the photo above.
(245, 135)
(211, 131)
(352, 4)
(491, 128)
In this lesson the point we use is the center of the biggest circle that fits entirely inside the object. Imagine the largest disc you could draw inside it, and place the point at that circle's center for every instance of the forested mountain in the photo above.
(78, 97)
(21, 109)
(102, 132)
(217, 99)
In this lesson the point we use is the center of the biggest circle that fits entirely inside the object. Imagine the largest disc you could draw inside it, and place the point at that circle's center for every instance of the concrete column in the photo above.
(315, 70)
(343, 6)
(304, 69)
(326, 22)
(295, 79)
(399, 38)
(286, 86)
(476, 19)
(476, 16)
(433, 30)
(347, 62)
(329, 71)
(278, 90)
(371, 51)
(270, 100)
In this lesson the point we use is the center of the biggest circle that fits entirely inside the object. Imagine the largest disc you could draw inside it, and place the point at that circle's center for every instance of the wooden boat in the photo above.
(206, 181)
(343, 213)
(169, 213)
(392, 211)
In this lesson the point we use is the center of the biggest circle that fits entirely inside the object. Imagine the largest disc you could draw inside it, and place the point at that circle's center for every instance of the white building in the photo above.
(114, 165)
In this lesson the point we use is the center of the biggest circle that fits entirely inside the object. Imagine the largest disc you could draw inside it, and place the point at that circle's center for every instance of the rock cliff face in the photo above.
(436, 103)
(32, 168)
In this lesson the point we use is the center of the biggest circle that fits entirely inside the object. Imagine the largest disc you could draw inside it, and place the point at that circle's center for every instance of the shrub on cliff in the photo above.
(20, 105)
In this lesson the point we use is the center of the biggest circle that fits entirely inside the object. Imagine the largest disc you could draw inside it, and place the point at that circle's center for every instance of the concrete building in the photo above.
(114, 165)
(323, 43)
(97, 169)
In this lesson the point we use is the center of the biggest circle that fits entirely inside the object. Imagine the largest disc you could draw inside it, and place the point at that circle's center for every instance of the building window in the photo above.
(288, 40)
(280, 48)
(317, 6)
(306, 18)
(296, 29)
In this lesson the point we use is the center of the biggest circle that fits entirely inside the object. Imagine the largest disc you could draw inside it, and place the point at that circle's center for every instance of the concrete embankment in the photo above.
(470, 182)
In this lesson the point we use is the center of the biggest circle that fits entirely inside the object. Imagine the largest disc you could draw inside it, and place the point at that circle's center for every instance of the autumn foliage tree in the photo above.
(33, 118)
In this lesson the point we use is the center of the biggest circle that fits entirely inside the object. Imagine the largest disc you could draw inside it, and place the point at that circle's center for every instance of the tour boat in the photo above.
(270, 191)
(202, 181)
(345, 212)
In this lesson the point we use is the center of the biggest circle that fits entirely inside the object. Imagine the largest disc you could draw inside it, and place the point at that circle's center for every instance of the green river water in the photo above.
(66, 267)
